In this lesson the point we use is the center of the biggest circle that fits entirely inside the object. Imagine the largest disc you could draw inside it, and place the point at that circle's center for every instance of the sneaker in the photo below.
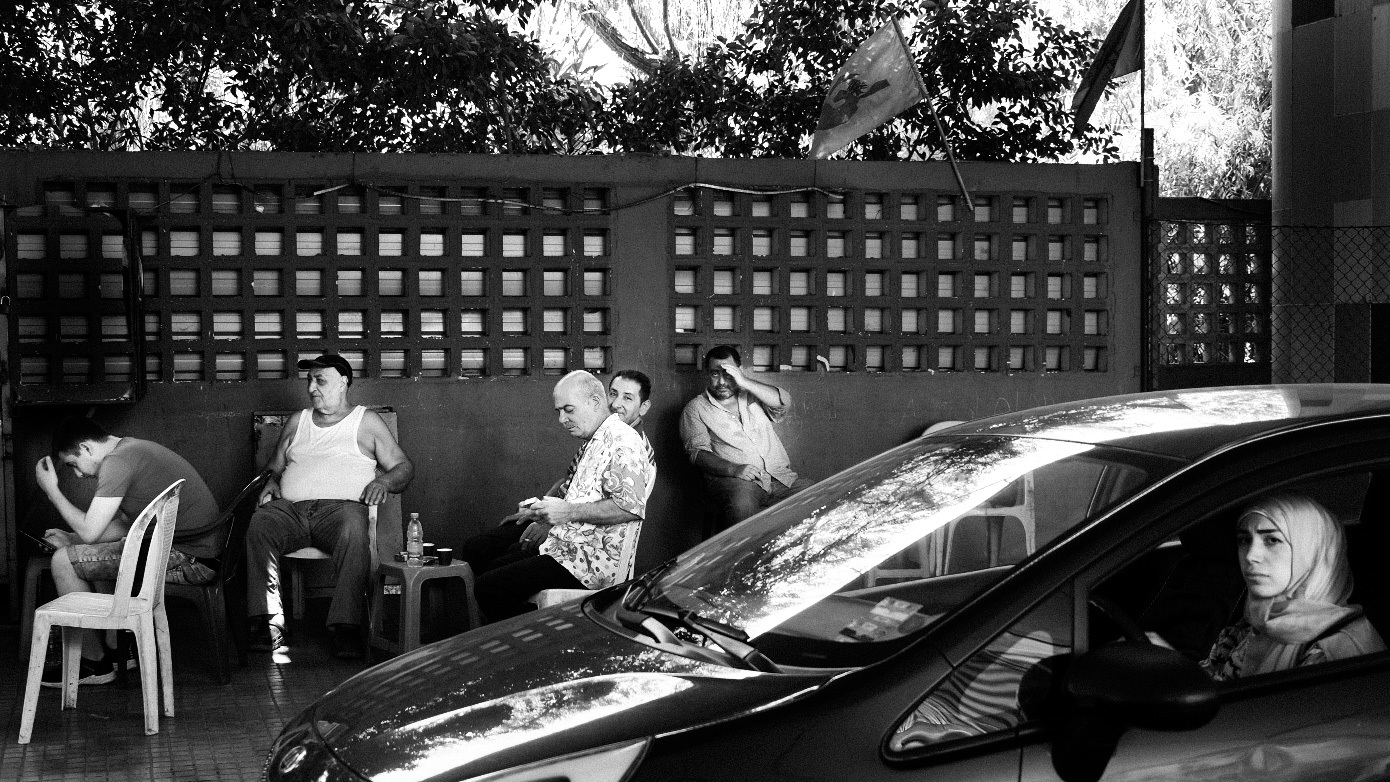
(132, 662)
(347, 642)
(266, 637)
(89, 672)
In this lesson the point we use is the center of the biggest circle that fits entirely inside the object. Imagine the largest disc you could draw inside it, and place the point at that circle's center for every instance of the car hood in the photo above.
(530, 688)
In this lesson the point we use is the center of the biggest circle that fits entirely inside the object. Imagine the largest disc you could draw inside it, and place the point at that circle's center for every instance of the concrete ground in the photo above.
(219, 732)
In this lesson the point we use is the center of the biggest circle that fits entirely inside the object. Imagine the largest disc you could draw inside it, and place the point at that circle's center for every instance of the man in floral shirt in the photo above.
(585, 539)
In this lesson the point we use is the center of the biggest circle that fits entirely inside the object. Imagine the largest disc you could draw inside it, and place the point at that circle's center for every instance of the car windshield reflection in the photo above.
(882, 550)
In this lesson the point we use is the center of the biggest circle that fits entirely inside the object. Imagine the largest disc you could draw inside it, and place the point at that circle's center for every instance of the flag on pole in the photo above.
(876, 83)
(1120, 54)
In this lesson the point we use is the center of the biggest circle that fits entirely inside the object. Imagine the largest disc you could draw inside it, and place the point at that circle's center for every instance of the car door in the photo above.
(1313, 725)
(1317, 722)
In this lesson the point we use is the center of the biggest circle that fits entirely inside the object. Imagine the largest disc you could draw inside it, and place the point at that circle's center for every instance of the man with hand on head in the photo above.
(584, 538)
(728, 434)
(332, 461)
(129, 473)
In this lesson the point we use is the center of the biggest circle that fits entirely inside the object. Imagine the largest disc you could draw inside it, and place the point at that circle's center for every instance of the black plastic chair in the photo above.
(211, 598)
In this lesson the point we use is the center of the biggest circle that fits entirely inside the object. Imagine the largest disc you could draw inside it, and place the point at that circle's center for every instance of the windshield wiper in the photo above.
(638, 590)
(733, 641)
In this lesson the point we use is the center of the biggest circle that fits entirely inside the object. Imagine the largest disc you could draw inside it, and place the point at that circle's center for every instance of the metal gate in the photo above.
(1209, 313)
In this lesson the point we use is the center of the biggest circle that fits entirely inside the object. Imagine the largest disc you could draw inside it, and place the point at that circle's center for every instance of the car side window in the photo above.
(997, 689)
(1267, 585)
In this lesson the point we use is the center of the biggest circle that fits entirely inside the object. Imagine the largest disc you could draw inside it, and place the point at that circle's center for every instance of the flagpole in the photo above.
(1143, 63)
(940, 131)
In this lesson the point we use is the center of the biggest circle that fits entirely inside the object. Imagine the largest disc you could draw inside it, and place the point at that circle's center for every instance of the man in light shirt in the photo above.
(728, 434)
(332, 461)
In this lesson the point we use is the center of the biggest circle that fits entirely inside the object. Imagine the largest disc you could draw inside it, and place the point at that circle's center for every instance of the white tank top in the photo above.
(324, 463)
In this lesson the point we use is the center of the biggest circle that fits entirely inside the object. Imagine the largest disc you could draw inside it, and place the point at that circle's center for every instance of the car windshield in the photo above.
(887, 547)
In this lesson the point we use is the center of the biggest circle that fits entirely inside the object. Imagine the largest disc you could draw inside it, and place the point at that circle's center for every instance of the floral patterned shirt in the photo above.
(613, 465)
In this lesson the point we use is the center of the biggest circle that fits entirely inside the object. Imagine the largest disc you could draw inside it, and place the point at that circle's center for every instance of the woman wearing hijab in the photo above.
(1293, 557)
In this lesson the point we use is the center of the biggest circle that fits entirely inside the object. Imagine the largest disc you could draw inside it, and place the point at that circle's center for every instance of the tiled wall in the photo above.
(461, 286)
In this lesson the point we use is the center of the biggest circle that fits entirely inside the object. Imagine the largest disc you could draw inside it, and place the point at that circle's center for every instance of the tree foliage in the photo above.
(456, 76)
(1000, 74)
(1209, 97)
(414, 75)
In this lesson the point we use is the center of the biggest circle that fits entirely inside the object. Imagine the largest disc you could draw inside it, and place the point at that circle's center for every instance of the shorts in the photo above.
(102, 562)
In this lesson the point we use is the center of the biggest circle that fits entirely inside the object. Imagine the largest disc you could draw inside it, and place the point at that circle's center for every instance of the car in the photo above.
(1022, 597)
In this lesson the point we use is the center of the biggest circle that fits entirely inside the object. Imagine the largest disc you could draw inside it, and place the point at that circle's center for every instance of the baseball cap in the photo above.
(328, 361)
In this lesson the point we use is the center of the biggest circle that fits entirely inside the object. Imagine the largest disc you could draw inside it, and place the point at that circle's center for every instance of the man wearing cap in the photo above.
(332, 461)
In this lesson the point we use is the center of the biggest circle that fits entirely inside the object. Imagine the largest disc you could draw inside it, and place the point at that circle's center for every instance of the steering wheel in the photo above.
(1128, 625)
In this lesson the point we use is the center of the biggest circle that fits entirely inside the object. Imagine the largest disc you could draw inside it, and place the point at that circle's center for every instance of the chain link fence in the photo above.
(1330, 304)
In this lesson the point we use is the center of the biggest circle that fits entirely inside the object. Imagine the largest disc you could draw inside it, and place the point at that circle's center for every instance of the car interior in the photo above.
(1185, 591)
(1189, 588)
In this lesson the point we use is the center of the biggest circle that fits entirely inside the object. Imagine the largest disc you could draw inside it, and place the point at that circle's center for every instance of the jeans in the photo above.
(339, 527)
(735, 499)
(507, 574)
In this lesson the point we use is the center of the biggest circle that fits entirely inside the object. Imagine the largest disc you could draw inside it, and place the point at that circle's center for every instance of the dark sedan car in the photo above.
(1025, 597)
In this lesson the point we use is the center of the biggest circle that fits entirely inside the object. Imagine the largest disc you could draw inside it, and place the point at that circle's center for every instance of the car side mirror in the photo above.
(1123, 685)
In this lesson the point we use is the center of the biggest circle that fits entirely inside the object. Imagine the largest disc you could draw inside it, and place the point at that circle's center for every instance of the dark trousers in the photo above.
(339, 527)
(506, 575)
(735, 499)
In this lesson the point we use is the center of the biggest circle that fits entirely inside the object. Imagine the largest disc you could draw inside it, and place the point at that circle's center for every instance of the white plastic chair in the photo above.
(139, 610)
(931, 555)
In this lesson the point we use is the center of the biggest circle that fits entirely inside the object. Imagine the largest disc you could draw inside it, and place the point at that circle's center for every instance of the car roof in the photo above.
(1187, 423)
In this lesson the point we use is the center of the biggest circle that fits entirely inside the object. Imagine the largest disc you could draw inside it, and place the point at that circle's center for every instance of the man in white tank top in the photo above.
(332, 461)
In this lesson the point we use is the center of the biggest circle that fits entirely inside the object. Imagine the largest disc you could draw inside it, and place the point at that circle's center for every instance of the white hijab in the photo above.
(1319, 586)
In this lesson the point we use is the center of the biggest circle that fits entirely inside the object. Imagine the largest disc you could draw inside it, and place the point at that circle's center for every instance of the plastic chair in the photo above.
(211, 598)
(412, 582)
(128, 608)
(33, 577)
(931, 555)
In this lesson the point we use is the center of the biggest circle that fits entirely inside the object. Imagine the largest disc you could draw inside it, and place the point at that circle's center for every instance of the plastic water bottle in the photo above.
(414, 542)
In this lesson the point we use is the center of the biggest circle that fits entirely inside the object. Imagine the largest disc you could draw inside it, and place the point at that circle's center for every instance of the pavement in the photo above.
(219, 732)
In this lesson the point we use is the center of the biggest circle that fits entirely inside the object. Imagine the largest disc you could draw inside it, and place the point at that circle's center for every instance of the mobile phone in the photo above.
(47, 547)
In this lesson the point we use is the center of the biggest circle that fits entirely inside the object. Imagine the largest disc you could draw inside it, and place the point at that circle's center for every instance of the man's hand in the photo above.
(553, 510)
(735, 373)
(59, 538)
(46, 475)
(374, 493)
(535, 534)
(747, 472)
(271, 491)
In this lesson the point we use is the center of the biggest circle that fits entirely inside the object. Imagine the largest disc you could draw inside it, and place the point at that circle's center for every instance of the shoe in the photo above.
(89, 672)
(347, 643)
(132, 662)
(266, 637)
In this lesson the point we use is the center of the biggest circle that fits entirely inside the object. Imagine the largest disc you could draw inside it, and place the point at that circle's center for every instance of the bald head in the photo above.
(582, 403)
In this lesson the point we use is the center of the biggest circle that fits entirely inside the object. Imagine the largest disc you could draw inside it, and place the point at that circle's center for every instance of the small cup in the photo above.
(445, 555)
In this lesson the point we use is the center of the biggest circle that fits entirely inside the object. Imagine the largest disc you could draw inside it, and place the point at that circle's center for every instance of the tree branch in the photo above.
(666, 26)
(614, 40)
(642, 27)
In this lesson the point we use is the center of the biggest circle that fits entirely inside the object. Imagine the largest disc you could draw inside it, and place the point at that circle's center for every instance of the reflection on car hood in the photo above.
(486, 699)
